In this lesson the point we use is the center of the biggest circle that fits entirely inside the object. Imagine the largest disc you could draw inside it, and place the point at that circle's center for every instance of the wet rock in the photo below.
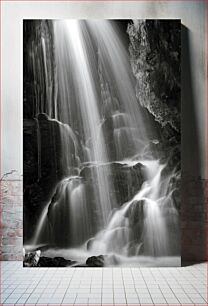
(34, 259)
(120, 138)
(155, 51)
(127, 180)
(43, 116)
(30, 151)
(136, 213)
(65, 210)
(90, 243)
(103, 260)
(44, 137)
(31, 259)
(136, 217)
(54, 262)
(96, 261)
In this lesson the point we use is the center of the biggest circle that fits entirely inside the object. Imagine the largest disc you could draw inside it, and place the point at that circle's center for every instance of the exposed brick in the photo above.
(11, 220)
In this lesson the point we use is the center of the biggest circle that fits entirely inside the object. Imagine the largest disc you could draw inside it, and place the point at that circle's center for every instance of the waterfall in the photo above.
(86, 98)
(98, 110)
(117, 235)
(41, 230)
(39, 61)
(39, 147)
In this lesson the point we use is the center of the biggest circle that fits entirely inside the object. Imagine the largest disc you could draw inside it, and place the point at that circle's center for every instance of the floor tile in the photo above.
(126, 286)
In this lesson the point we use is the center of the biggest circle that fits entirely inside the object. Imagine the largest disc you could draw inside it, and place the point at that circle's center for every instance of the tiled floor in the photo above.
(97, 286)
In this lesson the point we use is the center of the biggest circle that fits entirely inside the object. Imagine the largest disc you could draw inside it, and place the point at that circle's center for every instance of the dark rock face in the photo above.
(155, 55)
(155, 51)
(127, 180)
(41, 139)
(39, 68)
(43, 169)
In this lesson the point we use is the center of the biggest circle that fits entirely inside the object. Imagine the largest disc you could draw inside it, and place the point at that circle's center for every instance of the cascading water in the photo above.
(118, 234)
(86, 98)
(96, 98)
(39, 148)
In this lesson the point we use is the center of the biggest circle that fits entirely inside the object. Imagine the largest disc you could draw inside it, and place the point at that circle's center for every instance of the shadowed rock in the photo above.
(33, 259)
(95, 261)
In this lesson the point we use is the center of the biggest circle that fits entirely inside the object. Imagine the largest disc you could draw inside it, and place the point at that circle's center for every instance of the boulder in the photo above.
(95, 261)
(102, 261)
(54, 262)
(31, 259)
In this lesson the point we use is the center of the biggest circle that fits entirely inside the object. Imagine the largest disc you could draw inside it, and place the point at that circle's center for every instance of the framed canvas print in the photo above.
(101, 133)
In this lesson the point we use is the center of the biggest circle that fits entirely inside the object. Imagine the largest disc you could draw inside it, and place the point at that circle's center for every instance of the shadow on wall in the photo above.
(193, 187)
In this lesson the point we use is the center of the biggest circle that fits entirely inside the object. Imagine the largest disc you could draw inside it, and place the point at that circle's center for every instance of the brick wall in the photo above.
(194, 221)
(11, 227)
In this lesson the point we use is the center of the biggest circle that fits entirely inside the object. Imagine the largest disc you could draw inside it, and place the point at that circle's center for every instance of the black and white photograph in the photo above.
(101, 142)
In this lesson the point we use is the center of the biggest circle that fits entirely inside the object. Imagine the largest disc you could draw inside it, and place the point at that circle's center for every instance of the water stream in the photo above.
(97, 105)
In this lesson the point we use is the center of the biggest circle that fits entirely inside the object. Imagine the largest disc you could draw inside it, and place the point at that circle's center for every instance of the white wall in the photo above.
(194, 114)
